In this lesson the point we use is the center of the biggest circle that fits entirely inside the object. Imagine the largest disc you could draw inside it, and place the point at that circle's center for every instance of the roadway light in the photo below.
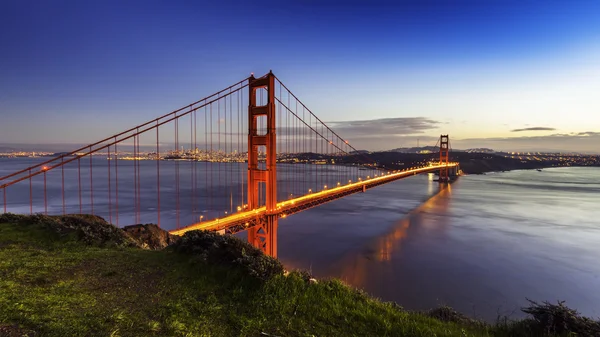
(338, 183)
(202, 216)
(239, 208)
(309, 190)
(325, 187)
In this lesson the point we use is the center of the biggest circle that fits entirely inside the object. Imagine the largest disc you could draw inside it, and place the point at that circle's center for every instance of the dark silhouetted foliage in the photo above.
(214, 248)
(558, 319)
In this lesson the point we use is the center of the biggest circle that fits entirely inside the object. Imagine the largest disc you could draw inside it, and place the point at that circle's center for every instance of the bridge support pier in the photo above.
(453, 172)
(263, 236)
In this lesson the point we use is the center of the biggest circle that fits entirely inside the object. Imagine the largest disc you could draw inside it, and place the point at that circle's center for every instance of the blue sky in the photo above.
(477, 70)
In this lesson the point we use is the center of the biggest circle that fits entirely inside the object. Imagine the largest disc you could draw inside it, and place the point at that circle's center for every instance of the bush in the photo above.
(214, 248)
(11, 218)
(558, 319)
(448, 314)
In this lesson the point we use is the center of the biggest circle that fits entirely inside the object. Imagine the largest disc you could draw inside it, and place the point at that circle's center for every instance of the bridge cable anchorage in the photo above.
(239, 173)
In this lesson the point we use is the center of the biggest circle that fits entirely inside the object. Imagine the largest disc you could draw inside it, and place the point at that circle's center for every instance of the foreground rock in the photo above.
(94, 230)
(150, 236)
(91, 229)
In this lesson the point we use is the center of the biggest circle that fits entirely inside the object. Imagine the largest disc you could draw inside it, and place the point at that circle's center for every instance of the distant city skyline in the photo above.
(166, 147)
(511, 76)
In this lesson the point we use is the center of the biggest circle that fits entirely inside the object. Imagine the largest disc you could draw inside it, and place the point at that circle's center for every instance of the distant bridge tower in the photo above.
(444, 155)
(264, 235)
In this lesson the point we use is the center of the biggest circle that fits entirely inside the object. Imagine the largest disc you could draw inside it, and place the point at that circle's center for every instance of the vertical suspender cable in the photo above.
(116, 183)
(157, 175)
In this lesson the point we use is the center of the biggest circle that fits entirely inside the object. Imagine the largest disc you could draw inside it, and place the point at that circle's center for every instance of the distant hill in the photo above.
(360, 152)
(480, 150)
(5, 149)
(415, 149)
(437, 149)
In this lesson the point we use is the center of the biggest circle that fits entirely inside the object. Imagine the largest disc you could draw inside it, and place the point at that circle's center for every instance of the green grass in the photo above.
(57, 286)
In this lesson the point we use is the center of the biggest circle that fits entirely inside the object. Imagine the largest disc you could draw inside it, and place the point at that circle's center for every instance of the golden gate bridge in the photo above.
(256, 154)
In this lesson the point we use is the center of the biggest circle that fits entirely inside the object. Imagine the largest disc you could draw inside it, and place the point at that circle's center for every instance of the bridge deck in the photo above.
(246, 219)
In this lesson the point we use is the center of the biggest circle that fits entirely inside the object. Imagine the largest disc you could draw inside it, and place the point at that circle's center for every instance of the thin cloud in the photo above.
(385, 127)
(589, 133)
(577, 142)
(535, 128)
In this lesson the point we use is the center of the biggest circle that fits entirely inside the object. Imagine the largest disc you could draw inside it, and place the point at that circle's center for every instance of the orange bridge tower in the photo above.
(264, 235)
(444, 155)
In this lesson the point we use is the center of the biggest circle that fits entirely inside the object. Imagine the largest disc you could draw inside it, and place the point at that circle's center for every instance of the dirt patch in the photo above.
(7, 330)
(6, 243)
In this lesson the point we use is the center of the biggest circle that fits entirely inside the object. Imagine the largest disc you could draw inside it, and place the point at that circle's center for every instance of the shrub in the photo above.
(558, 319)
(11, 218)
(448, 314)
(214, 248)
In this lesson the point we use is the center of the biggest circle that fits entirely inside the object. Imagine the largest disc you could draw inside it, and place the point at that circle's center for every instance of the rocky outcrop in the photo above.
(94, 230)
(150, 236)
(91, 229)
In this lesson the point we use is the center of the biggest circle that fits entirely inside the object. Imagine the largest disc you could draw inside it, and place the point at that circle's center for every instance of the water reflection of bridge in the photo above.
(357, 266)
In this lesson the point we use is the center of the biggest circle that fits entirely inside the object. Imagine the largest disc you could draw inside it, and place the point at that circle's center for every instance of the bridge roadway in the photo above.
(243, 220)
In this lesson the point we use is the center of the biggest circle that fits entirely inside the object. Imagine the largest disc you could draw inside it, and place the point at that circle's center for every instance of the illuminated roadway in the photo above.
(244, 219)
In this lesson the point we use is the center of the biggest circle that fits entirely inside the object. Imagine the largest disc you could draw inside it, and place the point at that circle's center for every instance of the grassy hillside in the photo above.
(55, 282)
